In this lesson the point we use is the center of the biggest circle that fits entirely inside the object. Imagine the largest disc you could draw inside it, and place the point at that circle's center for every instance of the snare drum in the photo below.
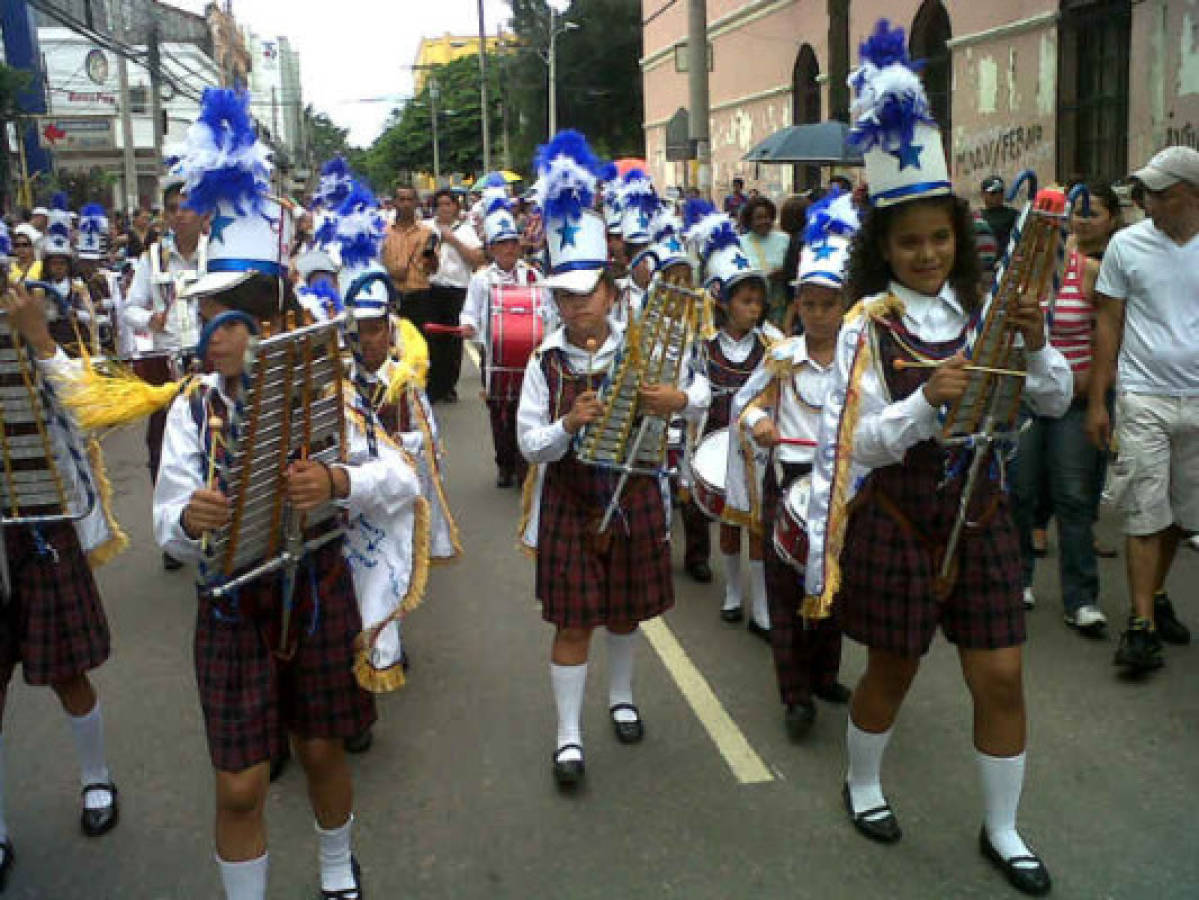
(516, 329)
(709, 468)
(791, 524)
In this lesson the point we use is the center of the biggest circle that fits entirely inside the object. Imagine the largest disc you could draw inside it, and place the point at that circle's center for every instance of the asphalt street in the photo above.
(455, 800)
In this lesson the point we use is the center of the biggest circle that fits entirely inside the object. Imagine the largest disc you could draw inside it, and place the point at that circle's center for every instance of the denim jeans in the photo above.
(1056, 453)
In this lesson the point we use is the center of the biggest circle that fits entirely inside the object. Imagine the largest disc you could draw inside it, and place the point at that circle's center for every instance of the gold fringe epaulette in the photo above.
(110, 395)
(411, 367)
(118, 540)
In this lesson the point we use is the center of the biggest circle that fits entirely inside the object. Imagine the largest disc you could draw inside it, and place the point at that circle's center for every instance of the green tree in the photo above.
(325, 139)
(12, 83)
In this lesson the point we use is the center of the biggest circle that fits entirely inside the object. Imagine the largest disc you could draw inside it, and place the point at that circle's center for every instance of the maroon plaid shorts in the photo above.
(252, 699)
(54, 623)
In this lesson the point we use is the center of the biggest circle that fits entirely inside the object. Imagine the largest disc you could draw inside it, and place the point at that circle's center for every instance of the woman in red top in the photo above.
(1055, 453)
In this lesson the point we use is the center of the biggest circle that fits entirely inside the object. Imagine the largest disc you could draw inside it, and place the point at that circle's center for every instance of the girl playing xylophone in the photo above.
(899, 360)
(586, 578)
(779, 410)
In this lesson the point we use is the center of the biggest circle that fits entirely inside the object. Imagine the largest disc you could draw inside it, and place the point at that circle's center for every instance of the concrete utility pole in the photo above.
(155, 64)
(117, 23)
(553, 64)
(434, 90)
(838, 60)
(697, 80)
(485, 112)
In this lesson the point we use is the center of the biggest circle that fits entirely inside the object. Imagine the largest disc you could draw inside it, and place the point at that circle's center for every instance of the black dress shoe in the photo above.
(701, 572)
(732, 616)
(95, 822)
(354, 893)
(835, 692)
(505, 480)
(799, 719)
(1031, 879)
(170, 564)
(452, 396)
(279, 764)
(757, 630)
(6, 863)
(568, 773)
(360, 742)
(627, 732)
(884, 829)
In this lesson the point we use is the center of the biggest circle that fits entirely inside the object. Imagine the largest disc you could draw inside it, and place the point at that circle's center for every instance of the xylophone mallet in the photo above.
(215, 424)
(900, 364)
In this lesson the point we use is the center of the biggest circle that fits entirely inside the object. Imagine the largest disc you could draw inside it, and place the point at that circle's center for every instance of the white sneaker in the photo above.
(1087, 617)
(1193, 542)
(1030, 599)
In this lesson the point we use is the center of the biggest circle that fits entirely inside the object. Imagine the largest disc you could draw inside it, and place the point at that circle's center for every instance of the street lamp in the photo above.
(555, 30)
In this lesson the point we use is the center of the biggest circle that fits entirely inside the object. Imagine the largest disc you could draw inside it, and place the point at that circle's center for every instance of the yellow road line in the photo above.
(742, 759)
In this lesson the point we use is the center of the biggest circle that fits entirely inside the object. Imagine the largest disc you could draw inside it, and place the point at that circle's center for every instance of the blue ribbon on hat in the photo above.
(909, 190)
(576, 265)
(363, 281)
(830, 276)
(263, 266)
(228, 317)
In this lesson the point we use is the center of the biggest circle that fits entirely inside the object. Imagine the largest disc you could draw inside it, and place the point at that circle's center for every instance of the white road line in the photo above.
(473, 353)
(742, 759)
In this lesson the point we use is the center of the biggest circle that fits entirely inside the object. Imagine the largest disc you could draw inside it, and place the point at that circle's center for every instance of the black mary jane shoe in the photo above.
(568, 773)
(95, 822)
(7, 863)
(799, 719)
(835, 692)
(505, 480)
(354, 893)
(360, 742)
(627, 732)
(701, 572)
(170, 564)
(732, 616)
(757, 630)
(884, 829)
(1029, 879)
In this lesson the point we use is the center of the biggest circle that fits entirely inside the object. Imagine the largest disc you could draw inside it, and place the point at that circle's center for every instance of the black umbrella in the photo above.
(820, 144)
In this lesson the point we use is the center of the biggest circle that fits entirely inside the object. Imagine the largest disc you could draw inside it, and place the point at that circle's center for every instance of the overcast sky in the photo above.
(354, 54)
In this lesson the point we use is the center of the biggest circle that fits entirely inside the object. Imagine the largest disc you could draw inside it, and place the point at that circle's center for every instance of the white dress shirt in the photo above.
(154, 290)
(476, 311)
(452, 270)
(801, 400)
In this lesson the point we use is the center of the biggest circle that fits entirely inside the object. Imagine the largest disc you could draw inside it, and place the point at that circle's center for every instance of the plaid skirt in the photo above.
(888, 569)
(54, 623)
(585, 579)
(251, 698)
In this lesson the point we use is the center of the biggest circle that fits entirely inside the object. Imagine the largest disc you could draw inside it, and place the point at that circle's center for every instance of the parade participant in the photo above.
(739, 289)
(638, 205)
(609, 177)
(99, 305)
(5, 246)
(251, 698)
(915, 269)
(779, 411)
(58, 271)
(155, 303)
(25, 265)
(506, 268)
(54, 622)
(586, 579)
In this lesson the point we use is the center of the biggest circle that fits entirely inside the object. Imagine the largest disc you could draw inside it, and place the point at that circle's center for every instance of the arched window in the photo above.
(1092, 111)
(928, 42)
(805, 107)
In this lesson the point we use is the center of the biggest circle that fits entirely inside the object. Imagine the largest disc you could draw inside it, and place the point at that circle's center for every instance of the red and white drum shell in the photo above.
(709, 469)
(791, 524)
(517, 328)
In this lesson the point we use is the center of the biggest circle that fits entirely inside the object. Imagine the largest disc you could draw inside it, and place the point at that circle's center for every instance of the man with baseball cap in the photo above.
(1000, 217)
(1148, 301)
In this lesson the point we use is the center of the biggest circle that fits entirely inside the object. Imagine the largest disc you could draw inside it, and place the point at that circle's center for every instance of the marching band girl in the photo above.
(899, 359)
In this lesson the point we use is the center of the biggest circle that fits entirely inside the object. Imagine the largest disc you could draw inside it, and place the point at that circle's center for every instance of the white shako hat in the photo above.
(365, 284)
(893, 125)
(726, 262)
(172, 163)
(609, 179)
(57, 241)
(498, 221)
(668, 247)
(334, 185)
(575, 234)
(227, 176)
(638, 203)
(93, 226)
(5, 243)
(831, 224)
(315, 260)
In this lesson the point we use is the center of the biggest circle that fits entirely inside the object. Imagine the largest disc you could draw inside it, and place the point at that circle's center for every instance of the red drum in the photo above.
(709, 469)
(516, 329)
(791, 524)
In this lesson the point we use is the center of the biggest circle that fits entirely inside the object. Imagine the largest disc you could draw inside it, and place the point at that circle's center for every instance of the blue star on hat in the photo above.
(643, 220)
(740, 262)
(217, 229)
(823, 251)
(567, 233)
(908, 155)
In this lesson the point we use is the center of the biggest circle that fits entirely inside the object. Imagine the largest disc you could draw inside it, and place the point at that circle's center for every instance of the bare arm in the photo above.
(1109, 334)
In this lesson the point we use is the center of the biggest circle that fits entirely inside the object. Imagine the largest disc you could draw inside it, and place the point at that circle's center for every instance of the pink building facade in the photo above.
(1066, 87)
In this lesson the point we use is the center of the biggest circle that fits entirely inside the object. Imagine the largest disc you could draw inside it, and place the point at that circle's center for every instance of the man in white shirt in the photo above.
(459, 254)
(1148, 300)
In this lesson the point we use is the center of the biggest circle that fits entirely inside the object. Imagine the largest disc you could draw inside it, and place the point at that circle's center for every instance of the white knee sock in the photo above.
(620, 673)
(865, 767)
(3, 816)
(757, 592)
(89, 744)
(569, 683)
(732, 581)
(244, 880)
(1003, 779)
(337, 872)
